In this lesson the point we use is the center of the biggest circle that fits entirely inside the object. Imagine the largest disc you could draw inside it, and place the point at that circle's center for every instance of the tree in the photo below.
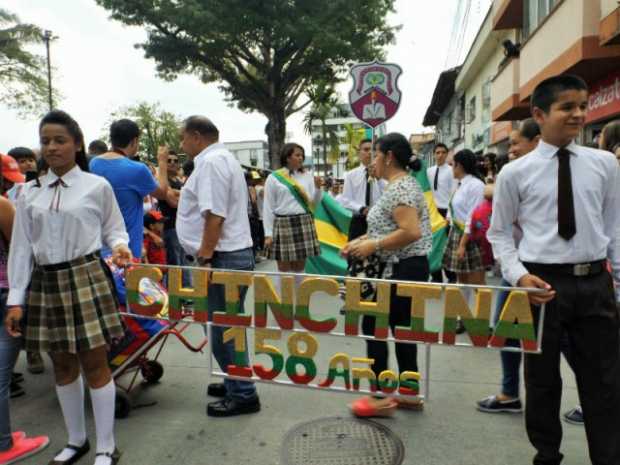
(353, 137)
(325, 102)
(23, 78)
(159, 127)
(265, 53)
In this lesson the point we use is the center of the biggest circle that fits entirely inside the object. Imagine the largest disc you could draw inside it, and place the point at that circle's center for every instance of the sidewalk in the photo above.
(177, 431)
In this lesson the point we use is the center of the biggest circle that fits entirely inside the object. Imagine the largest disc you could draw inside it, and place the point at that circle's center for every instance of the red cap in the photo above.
(10, 169)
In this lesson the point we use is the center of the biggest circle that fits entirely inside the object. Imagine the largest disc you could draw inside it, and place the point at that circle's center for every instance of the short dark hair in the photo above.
(287, 150)
(122, 132)
(73, 128)
(529, 129)
(19, 153)
(611, 136)
(440, 145)
(97, 147)
(202, 125)
(467, 159)
(365, 140)
(400, 148)
(546, 93)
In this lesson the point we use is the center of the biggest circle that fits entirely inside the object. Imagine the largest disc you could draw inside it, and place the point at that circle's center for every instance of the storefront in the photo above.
(603, 106)
(500, 134)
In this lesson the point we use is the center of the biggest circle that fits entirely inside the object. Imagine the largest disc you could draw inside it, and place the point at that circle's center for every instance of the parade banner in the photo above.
(292, 311)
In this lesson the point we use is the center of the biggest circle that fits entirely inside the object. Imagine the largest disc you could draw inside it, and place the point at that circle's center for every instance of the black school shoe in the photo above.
(16, 390)
(216, 390)
(574, 416)
(80, 451)
(492, 404)
(115, 456)
(232, 407)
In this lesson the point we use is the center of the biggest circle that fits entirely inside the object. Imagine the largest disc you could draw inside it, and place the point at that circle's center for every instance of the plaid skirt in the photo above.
(294, 238)
(473, 257)
(72, 307)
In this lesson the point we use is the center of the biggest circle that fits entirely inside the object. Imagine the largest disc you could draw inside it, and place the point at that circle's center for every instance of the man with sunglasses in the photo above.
(174, 251)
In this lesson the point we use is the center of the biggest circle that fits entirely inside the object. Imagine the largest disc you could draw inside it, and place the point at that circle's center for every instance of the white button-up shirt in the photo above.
(445, 184)
(279, 200)
(216, 185)
(59, 224)
(526, 192)
(468, 195)
(354, 190)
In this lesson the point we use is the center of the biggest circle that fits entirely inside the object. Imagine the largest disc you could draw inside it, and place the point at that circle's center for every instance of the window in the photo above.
(535, 12)
(486, 102)
(471, 110)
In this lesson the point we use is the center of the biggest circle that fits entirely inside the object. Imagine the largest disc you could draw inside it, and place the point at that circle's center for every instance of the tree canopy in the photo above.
(264, 53)
(23, 79)
(159, 127)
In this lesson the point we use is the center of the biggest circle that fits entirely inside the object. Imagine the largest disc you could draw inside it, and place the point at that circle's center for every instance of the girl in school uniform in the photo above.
(462, 255)
(290, 195)
(55, 271)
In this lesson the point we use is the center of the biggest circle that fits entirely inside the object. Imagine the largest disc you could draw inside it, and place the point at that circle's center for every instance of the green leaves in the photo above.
(23, 79)
(159, 127)
(264, 53)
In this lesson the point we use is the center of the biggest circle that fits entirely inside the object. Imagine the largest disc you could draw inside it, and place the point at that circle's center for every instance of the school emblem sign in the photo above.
(375, 96)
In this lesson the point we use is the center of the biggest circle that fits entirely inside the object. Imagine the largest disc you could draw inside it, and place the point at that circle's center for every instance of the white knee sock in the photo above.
(71, 398)
(103, 408)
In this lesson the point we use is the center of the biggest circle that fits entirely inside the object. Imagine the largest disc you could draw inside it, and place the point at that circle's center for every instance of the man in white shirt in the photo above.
(213, 226)
(361, 190)
(566, 199)
(443, 184)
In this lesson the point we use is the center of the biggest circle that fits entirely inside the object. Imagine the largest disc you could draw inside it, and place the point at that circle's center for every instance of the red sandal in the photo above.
(367, 407)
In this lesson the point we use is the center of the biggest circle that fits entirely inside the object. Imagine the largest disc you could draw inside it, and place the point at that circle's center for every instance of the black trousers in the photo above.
(358, 226)
(437, 276)
(409, 269)
(584, 313)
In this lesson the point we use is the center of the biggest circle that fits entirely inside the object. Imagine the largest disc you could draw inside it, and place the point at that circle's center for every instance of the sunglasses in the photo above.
(173, 160)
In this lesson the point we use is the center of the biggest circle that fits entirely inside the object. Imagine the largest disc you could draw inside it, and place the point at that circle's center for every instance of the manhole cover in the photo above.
(342, 441)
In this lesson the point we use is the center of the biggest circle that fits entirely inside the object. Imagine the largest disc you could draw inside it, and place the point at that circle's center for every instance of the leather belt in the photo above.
(570, 269)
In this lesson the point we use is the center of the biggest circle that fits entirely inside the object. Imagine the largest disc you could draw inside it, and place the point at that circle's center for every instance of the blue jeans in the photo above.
(9, 350)
(225, 353)
(175, 254)
(511, 361)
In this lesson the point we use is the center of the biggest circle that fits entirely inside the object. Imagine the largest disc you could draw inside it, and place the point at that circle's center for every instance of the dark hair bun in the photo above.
(414, 164)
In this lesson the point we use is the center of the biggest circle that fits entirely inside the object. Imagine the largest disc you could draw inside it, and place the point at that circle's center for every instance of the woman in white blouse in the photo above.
(290, 196)
(463, 256)
(55, 269)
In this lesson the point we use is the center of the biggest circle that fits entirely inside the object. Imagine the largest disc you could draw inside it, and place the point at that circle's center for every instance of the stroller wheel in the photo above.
(123, 405)
(152, 371)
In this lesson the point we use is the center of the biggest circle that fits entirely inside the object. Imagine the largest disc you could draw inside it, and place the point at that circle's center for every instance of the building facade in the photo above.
(581, 37)
(337, 125)
(474, 82)
(250, 153)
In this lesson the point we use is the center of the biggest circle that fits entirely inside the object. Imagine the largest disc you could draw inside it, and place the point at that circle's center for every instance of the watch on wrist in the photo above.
(204, 261)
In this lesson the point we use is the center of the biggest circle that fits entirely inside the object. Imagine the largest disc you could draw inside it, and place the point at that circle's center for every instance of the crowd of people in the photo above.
(548, 215)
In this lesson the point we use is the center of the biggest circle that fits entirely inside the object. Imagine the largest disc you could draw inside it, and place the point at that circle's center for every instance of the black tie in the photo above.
(566, 206)
(367, 198)
(436, 182)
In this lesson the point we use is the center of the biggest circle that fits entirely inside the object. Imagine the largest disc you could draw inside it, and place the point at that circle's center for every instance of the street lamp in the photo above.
(47, 38)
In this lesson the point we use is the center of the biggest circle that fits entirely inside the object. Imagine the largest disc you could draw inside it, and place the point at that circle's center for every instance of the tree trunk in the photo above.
(276, 133)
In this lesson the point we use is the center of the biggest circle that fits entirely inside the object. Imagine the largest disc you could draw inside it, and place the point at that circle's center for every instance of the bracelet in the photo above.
(377, 245)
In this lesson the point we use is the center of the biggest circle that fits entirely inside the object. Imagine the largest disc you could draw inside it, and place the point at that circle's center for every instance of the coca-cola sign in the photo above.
(604, 98)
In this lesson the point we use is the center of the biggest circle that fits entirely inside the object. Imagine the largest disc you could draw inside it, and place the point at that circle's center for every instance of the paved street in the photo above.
(177, 431)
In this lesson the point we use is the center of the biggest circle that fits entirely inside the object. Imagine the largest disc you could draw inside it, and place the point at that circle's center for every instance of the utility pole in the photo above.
(47, 37)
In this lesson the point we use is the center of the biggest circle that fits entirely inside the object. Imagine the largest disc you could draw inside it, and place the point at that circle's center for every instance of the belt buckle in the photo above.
(583, 269)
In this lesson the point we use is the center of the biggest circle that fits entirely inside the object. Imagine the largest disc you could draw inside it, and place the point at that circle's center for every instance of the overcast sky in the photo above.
(98, 70)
